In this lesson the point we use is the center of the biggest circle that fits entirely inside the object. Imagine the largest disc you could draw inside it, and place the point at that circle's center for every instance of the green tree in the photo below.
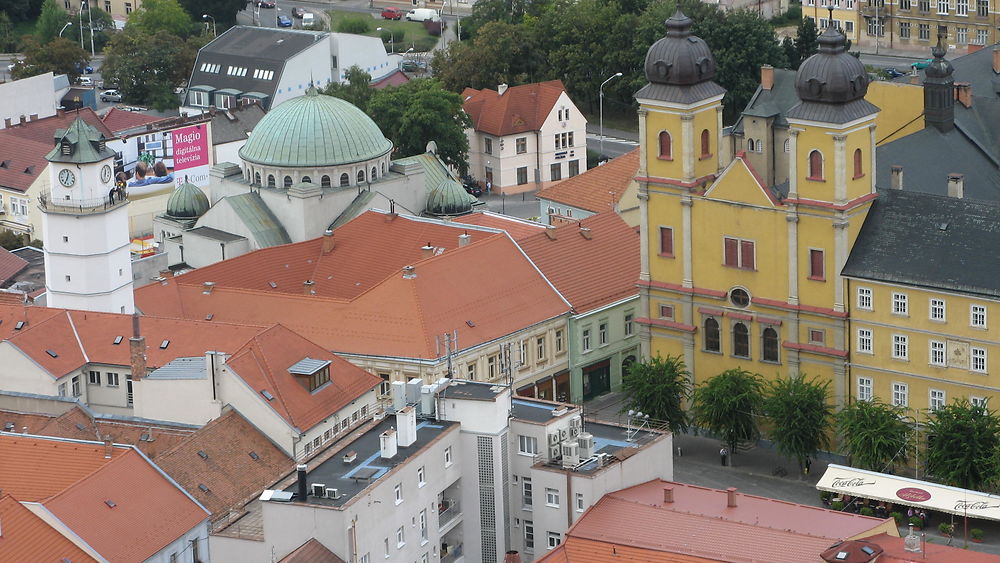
(659, 387)
(805, 41)
(59, 56)
(7, 41)
(800, 416)
(963, 445)
(22, 10)
(162, 15)
(502, 54)
(147, 68)
(12, 241)
(729, 405)
(51, 21)
(224, 11)
(357, 90)
(874, 434)
(358, 25)
(420, 111)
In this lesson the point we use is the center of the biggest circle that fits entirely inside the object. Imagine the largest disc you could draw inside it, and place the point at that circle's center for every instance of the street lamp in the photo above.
(276, 10)
(601, 90)
(64, 28)
(204, 16)
(392, 46)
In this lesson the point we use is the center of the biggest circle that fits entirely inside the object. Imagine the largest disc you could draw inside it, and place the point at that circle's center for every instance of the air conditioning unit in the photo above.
(574, 431)
(586, 441)
(553, 438)
(563, 434)
(576, 422)
(333, 493)
(554, 453)
(318, 490)
(570, 454)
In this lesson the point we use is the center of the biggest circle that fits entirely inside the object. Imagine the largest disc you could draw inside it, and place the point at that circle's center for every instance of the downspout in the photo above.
(538, 160)
(569, 498)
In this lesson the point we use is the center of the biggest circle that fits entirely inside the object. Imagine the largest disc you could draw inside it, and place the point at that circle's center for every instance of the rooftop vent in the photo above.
(272, 284)
(254, 456)
(267, 395)
(202, 454)
(52, 353)
(146, 437)
(110, 503)
(470, 323)
(409, 272)
(80, 426)
(209, 316)
(207, 287)
(164, 344)
(202, 487)
(118, 340)
(8, 427)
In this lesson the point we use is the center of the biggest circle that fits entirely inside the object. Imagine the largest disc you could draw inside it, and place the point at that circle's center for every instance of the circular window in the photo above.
(739, 297)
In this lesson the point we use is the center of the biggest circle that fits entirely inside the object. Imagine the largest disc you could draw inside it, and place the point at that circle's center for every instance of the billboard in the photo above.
(191, 156)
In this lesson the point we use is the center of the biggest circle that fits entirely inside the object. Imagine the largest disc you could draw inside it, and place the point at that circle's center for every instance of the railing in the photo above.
(96, 205)
(453, 554)
(448, 510)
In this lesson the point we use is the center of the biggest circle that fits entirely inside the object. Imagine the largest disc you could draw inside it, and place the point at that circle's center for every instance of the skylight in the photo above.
(267, 395)
(52, 353)
(202, 454)
(19, 325)
(254, 456)
(118, 340)
(164, 344)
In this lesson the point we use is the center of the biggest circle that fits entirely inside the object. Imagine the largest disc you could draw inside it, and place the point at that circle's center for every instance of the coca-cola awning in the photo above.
(910, 492)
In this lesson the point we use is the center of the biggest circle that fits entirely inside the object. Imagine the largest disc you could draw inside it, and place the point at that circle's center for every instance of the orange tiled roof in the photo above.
(229, 472)
(520, 109)
(10, 264)
(516, 228)
(612, 244)
(27, 537)
(36, 468)
(127, 510)
(579, 550)
(933, 552)
(311, 552)
(118, 120)
(596, 189)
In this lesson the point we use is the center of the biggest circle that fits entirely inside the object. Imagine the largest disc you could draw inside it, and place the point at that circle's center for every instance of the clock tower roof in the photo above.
(80, 143)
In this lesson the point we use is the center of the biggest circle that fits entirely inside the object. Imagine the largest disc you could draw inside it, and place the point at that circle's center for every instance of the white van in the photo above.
(422, 14)
(308, 19)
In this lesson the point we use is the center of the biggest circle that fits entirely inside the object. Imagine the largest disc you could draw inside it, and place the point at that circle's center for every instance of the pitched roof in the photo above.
(240, 461)
(609, 242)
(894, 552)
(10, 264)
(394, 78)
(928, 241)
(126, 510)
(597, 189)
(264, 362)
(517, 228)
(119, 120)
(36, 468)
(235, 124)
(26, 537)
(311, 552)
(519, 109)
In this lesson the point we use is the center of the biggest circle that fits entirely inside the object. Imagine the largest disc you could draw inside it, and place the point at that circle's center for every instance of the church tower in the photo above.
(85, 226)
(939, 92)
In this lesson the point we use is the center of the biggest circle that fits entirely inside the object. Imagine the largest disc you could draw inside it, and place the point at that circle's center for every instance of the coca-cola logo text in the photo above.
(913, 494)
(850, 482)
(979, 505)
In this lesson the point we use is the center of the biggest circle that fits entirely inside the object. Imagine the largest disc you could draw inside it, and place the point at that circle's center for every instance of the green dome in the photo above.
(187, 202)
(314, 130)
(449, 198)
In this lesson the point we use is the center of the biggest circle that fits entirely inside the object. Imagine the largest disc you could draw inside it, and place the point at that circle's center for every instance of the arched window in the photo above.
(383, 169)
(374, 173)
(706, 149)
(741, 340)
(345, 180)
(287, 181)
(256, 178)
(788, 145)
(751, 145)
(665, 148)
(307, 179)
(361, 176)
(815, 165)
(858, 172)
(325, 181)
(270, 180)
(769, 345)
(712, 341)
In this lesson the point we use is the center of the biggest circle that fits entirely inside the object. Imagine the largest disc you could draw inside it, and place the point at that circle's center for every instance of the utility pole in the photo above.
(450, 341)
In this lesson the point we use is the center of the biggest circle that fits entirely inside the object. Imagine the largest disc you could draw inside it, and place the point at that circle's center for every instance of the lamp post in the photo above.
(64, 28)
(204, 16)
(90, 22)
(392, 44)
(601, 90)
(276, 10)
(82, 4)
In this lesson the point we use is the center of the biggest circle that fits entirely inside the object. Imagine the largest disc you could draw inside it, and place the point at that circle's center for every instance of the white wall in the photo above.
(187, 401)
(182, 550)
(20, 373)
(34, 95)
(366, 52)
(228, 152)
(312, 64)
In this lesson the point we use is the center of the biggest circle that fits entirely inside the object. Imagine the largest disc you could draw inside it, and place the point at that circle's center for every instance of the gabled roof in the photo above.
(35, 468)
(394, 78)
(26, 537)
(311, 552)
(240, 461)
(895, 552)
(772, 103)
(258, 218)
(598, 189)
(126, 510)
(609, 242)
(235, 124)
(264, 362)
(119, 120)
(517, 228)
(10, 264)
(518, 110)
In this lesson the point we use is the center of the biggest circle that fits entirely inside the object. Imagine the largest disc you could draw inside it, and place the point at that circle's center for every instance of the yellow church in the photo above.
(788, 260)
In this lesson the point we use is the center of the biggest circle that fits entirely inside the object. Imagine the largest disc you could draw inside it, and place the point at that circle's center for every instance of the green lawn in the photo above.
(404, 34)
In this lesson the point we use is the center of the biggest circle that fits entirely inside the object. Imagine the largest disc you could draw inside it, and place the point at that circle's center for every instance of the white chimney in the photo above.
(406, 422)
(387, 442)
(464, 239)
(398, 389)
(896, 175)
(501, 89)
(956, 185)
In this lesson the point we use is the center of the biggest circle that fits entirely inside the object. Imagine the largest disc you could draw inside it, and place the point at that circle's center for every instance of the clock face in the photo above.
(66, 177)
(106, 174)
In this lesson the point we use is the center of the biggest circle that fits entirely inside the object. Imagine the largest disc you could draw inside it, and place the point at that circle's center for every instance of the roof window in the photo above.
(164, 344)
(202, 487)
(267, 395)
(254, 456)
(118, 340)
(110, 503)
(52, 353)
(19, 325)
(202, 454)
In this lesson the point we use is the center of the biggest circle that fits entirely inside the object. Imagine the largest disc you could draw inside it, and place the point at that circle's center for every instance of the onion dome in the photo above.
(187, 202)
(832, 75)
(449, 198)
(939, 67)
(679, 59)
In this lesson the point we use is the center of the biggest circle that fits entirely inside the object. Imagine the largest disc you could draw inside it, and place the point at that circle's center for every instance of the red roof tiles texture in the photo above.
(10, 264)
(598, 189)
(517, 228)
(520, 109)
(118, 120)
(27, 537)
(34, 469)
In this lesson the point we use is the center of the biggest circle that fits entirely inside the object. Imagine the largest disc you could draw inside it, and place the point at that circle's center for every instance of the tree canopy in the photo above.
(51, 21)
(806, 44)
(147, 68)
(162, 15)
(874, 434)
(800, 416)
(59, 56)
(729, 405)
(963, 445)
(659, 387)
(224, 11)
(357, 90)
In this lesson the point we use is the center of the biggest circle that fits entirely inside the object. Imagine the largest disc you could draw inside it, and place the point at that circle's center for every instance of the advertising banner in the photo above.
(191, 156)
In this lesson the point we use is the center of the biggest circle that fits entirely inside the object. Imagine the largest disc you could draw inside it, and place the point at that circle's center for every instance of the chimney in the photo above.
(406, 422)
(23, 119)
(207, 287)
(914, 76)
(956, 185)
(731, 497)
(512, 557)
(60, 111)
(767, 77)
(6, 123)
(586, 233)
(33, 117)
(108, 447)
(550, 231)
(303, 489)
(896, 175)
(963, 92)
(308, 287)
(501, 89)
(409, 273)
(996, 60)
(668, 495)
(387, 443)
(427, 251)
(464, 239)
(328, 242)
(137, 350)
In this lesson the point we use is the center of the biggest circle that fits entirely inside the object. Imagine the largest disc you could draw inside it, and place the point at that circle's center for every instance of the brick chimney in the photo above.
(963, 92)
(23, 119)
(668, 495)
(956, 185)
(512, 557)
(586, 233)
(731, 497)
(767, 77)
(896, 175)
(328, 242)
(108, 446)
(996, 60)
(6, 122)
(137, 350)
(550, 231)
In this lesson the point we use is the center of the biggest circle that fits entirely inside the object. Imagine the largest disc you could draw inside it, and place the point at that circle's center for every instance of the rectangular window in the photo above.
(628, 325)
(527, 445)
(817, 336)
(471, 371)
(522, 352)
(554, 539)
(942, 7)
(574, 168)
(962, 7)
(905, 4)
(95, 378)
(521, 145)
(982, 36)
(864, 388)
(447, 456)
(488, 145)
(559, 342)
(62, 389)
(522, 175)
(925, 5)
(923, 31)
(667, 242)
(864, 341)
(899, 304)
(900, 394)
(491, 366)
(555, 171)
(816, 269)
(398, 489)
(978, 401)
(107, 6)
(937, 310)
(421, 479)
(848, 26)
(983, 8)
(529, 535)
(900, 346)
(865, 298)
(423, 525)
(904, 30)
(667, 312)
(128, 8)
(977, 316)
(937, 349)
(937, 399)
(978, 359)
(540, 348)
(962, 35)
(198, 98)
(112, 379)
(76, 386)
(400, 538)
(602, 334)
(526, 499)
(739, 253)
(552, 497)
(579, 502)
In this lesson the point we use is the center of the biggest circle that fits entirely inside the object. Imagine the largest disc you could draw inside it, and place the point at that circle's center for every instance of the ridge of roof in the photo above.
(590, 190)
(519, 109)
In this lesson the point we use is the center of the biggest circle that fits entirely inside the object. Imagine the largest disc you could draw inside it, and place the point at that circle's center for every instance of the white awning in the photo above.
(910, 492)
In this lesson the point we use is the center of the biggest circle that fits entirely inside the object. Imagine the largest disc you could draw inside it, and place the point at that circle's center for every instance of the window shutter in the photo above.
(732, 258)
(666, 241)
(746, 255)
(816, 264)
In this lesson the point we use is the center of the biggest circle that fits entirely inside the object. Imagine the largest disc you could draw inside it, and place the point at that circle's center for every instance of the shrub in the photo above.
(976, 533)
(945, 528)
(358, 25)
(916, 522)
(867, 511)
(837, 505)
(897, 516)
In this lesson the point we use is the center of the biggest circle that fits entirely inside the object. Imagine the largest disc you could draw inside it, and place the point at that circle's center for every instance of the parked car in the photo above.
(111, 96)
(308, 20)
(12, 64)
(471, 185)
(284, 21)
(922, 64)
(298, 11)
(422, 14)
(85, 69)
(86, 81)
(264, 3)
(392, 14)
(413, 65)
(893, 73)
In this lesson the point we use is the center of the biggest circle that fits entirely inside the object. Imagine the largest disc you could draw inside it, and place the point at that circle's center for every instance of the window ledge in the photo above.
(741, 357)
(772, 362)
(705, 156)
(667, 158)
(816, 278)
(664, 255)
(857, 176)
(867, 353)
(907, 360)
(719, 352)
(902, 315)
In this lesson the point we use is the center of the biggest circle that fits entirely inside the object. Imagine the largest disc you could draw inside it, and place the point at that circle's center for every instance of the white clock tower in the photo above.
(84, 227)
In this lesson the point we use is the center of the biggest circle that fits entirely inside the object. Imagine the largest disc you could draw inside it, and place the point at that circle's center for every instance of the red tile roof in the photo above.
(26, 537)
(597, 189)
(516, 228)
(10, 264)
(519, 109)
(395, 79)
(933, 552)
(36, 468)
(118, 120)
(611, 243)
(311, 552)
(229, 472)
(127, 510)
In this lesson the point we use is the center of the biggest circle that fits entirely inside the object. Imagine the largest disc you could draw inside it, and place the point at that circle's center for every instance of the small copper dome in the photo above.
(832, 75)
(679, 59)
(939, 67)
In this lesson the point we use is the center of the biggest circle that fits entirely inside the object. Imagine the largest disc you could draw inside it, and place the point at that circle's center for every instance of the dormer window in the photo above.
(101, 145)
(67, 148)
(311, 374)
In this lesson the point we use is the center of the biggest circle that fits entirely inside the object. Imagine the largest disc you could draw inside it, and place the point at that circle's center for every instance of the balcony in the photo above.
(77, 206)
(449, 514)
(453, 554)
